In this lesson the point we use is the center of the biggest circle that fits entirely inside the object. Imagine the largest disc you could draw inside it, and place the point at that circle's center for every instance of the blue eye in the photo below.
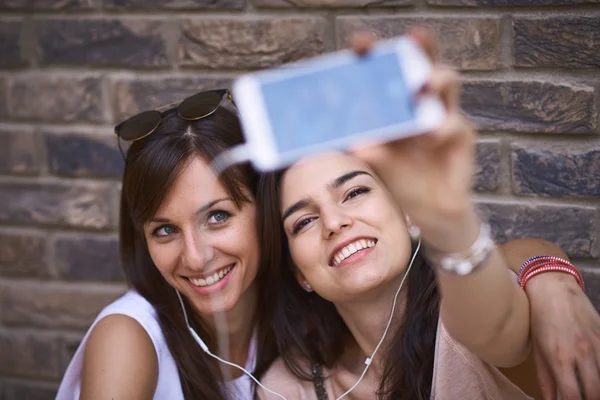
(218, 217)
(164, 231)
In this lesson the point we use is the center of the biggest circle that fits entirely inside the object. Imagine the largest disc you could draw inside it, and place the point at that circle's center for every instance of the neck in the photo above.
(368, 317)
(233, 329)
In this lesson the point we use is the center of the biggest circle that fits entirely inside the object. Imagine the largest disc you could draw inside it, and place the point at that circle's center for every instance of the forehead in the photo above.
(311, 175)
(196, 184)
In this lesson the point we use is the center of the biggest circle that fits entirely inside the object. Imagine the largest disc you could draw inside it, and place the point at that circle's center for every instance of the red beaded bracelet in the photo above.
(541, 264)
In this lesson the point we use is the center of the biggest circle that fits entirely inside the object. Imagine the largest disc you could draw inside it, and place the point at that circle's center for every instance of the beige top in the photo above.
(457, 374)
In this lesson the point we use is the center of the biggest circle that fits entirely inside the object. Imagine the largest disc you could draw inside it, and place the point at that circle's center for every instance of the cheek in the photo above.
(305, 254)
(164, 256)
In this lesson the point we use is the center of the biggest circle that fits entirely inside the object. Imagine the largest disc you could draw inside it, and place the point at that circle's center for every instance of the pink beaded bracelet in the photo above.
(541, 264)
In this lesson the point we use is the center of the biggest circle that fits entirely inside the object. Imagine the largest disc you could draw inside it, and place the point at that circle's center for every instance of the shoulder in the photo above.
(282, 381)
(120, 360)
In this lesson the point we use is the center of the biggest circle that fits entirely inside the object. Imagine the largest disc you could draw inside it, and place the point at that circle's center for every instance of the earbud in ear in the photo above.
(413, 230)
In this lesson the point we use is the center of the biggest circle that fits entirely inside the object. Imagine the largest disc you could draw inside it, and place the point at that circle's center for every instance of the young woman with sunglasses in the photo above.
(182, 232)
(460, 328)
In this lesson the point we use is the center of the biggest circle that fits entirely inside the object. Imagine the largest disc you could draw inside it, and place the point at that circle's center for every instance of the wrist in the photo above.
(542, 265)
(550, 279)
(454, 233)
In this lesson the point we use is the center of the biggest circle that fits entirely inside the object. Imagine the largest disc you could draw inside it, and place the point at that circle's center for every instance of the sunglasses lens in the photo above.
(139, 125)
(199, 105)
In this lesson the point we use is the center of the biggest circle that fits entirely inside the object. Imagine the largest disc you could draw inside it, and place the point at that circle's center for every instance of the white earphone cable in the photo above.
(205, 348)
(370, 359)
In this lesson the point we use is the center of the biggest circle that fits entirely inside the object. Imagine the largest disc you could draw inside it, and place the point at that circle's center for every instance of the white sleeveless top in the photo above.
(168, 386)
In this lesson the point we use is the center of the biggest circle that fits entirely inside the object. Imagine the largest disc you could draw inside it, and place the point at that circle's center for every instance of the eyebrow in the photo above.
(202, 209)
(336, 183)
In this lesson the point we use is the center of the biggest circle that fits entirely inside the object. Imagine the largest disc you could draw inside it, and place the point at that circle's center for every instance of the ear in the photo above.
(299, 277)
(302, 280)
(413, 230)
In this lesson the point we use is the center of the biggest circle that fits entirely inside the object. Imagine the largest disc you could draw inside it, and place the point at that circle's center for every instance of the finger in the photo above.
(588, 370)
(455, 126)
(370, 153)
(544, 374)
(564, 373)
(424, 38)
(445, 83)
(362, 41)
(590, 379)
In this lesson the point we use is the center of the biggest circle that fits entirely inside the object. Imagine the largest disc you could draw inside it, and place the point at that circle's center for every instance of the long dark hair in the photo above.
(153, 164)
(309, 328)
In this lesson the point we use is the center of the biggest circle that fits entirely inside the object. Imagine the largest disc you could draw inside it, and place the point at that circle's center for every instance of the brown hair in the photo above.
(309, 328)
(153, 164)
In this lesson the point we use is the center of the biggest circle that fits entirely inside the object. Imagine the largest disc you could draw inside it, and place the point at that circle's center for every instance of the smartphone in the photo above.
(334, 101)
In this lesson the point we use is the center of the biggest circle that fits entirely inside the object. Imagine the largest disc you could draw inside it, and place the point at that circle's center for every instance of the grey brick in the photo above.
(83, 155)
(47, 5)
(472, 3)
(568, 42)
(571, 228)
(29, 354)
(330, 3)
(18, 152)
(174, 4)
(116, 42)
(10, 44)
(249, 43)
(55, 99)
(487, 166)
(45, 305)
(464, 43)
(90, 258)
(556, 172)
(70, 204)
(23, 255)
(530, 106)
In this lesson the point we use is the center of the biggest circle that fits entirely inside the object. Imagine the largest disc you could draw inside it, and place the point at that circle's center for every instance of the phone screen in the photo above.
(327, 106)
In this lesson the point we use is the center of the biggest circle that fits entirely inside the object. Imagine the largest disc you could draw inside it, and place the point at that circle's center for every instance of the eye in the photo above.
(164, 231)
(356, 192)
(218, 217)
(301, 224)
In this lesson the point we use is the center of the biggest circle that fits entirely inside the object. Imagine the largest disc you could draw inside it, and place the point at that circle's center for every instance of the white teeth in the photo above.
(211, 280)
(351, 249)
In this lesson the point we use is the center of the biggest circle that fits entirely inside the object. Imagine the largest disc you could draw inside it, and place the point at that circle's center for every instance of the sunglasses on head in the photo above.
(193, 108)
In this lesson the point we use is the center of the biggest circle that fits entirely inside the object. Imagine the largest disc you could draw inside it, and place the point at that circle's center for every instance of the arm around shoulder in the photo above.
(120, 361)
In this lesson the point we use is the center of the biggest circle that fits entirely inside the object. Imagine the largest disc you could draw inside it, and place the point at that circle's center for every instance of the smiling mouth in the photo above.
(212, 279)
(351, 249)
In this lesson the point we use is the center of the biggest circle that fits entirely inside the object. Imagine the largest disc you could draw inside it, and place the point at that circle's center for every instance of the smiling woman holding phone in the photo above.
(391, 287)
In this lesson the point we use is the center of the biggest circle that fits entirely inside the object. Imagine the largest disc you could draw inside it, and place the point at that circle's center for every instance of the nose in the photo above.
(334, 219)
(197, 252)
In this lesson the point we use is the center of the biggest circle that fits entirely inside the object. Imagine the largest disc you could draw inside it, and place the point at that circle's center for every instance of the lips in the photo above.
(350, 247)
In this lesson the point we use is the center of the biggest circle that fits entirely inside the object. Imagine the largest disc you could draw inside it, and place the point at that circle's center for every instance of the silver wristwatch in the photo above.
(464, 262)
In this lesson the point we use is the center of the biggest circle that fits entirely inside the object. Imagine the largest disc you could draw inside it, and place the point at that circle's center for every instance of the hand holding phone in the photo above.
(335, 101)
(429, 176)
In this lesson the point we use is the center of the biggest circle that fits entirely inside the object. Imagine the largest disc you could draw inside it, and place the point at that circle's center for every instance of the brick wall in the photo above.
(70, 69)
